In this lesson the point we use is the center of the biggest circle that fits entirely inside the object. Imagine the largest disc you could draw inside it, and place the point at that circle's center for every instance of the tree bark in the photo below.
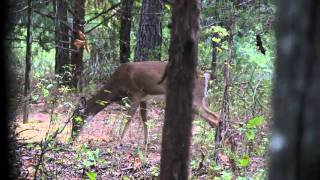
(181, 71)
(222, 128)
(295, 151)
(125, 29)
(149, 34)
(77, 54)
(62, 57)
(9, 93)
(28, 65)
(214, 52)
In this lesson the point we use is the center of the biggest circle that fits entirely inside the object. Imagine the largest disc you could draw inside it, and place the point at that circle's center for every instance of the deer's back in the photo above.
(141, 76)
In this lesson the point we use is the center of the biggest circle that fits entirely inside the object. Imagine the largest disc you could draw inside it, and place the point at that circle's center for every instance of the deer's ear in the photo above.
(82, 102)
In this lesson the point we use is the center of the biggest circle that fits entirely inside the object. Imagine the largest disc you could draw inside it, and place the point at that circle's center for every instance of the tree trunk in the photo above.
(181, 71)
(214, 52)
(295, 151)
(9, 93)
(113, 39)
(77, 54)
(62, 57)
(221, 131)
(125, 29)
(28, 65)
(149, 35)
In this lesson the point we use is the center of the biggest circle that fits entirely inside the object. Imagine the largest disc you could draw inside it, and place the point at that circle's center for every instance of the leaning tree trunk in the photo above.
(125, 29)
(77, 54)
(295, 151)
(181, 71)
(28, 65)
(62, 57)
(149, 37)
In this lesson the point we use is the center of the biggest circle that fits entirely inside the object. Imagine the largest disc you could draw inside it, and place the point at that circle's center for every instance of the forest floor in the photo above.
(98, 151)
(101, 137)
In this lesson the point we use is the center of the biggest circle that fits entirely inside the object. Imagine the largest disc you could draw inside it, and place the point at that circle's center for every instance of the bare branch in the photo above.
(96, 26)
(103, 12)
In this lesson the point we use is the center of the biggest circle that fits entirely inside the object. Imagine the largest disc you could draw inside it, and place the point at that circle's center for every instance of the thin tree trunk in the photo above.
(77, 54)
(214, 46)
(28, 65)
(149, 35)
(222, 128)
(113, 38)
(125, 29)
(181, 71)
(62, 57)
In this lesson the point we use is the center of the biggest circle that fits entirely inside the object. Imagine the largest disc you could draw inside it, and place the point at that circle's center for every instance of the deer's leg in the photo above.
(131, 112)
(210, 117)
(143, 114)
(207, 117)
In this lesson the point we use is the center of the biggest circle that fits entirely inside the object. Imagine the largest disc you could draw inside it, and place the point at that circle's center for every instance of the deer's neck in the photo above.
(99, 101)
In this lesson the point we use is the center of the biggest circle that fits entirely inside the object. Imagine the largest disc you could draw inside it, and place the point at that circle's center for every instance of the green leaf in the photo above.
(155, 171)
(216, 40)
(101, 102)
(226, 175)
(255, 122)
(244, 161)
(220, 30)
(125, 178)
(45, 92)
(91, 156)
(91, 175)
(87, 163)
(78, 119)
(241, 178)
(250, 134)
(34, 97)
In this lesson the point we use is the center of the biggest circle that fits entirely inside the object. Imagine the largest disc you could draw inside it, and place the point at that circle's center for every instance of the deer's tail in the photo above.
(214, 120)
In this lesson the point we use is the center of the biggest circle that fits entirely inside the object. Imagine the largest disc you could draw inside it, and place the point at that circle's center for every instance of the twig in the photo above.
(18, 133)
(44, 143)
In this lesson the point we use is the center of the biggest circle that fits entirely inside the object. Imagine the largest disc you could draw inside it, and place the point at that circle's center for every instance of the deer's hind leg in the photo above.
(143, 114)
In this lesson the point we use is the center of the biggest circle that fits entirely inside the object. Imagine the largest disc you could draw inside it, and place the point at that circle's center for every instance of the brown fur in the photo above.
(137, 81)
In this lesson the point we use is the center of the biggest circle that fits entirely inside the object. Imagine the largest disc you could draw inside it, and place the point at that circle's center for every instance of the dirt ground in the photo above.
(99, 150)
(103, 132)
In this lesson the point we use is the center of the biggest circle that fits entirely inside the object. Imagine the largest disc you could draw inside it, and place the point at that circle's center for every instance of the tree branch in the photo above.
(106, 19)
(103, 12)
(44, 14)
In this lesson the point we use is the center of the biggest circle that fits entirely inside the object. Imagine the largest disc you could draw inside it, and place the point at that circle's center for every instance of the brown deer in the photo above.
(137, 81)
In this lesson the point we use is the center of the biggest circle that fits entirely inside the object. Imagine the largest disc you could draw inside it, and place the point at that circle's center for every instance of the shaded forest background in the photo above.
(61, 50)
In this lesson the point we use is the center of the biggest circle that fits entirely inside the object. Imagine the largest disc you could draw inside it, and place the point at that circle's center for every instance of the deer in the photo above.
(138, 81)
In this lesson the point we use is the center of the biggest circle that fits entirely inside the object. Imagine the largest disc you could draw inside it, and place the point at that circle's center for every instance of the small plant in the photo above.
(155, 170)
(91, 175)
(244, 161)
(92, 158)
(251, 127)
(138, 152)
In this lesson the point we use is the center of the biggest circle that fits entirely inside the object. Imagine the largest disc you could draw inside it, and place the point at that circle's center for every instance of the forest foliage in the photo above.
(250, 73)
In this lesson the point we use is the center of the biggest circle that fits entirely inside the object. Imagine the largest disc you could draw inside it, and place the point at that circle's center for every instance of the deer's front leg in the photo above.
(133, 108)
